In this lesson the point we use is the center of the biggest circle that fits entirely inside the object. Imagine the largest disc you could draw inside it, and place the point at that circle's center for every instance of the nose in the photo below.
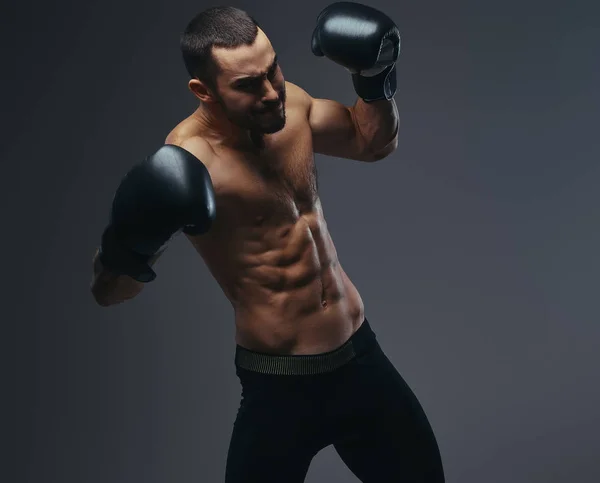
(270, 95)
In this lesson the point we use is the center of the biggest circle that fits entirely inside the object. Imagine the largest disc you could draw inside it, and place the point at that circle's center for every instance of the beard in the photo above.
(268, 119)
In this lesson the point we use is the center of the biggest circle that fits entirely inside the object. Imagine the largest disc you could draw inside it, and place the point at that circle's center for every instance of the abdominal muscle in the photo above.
(288, 290)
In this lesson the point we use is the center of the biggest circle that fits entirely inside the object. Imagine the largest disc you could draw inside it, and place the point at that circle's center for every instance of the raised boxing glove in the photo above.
(363, 40)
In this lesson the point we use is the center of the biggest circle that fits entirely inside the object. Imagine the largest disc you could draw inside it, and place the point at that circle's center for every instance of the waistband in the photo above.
(301, 365)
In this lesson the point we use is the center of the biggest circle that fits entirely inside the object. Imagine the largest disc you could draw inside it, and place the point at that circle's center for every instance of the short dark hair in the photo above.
(225, 27)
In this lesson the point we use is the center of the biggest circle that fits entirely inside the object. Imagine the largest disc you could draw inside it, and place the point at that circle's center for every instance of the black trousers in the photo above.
(352, 398)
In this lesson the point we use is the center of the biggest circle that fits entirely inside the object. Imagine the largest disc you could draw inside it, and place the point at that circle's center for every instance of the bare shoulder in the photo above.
(193, 143)
(223, 171)
(297, 97)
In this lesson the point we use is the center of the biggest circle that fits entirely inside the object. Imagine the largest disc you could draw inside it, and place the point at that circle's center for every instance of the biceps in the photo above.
(334, 131)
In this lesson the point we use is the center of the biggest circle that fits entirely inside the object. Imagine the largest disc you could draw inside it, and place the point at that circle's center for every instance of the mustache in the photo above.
(272, 105)
(271, 108)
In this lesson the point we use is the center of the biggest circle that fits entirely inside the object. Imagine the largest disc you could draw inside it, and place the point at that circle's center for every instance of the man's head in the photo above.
(233, 68)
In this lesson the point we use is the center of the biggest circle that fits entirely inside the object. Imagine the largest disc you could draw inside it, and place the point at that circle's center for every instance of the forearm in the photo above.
(109, 288)
(378, 124)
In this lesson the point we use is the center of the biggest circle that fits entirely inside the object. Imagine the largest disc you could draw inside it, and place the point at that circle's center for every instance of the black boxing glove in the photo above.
(363, 40)
(170, 191)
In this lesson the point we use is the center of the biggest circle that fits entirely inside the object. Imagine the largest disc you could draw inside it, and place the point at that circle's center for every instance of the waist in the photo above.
(298, 328)
(359, 342)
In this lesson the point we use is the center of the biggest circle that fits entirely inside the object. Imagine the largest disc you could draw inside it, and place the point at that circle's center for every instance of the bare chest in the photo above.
(272, 186)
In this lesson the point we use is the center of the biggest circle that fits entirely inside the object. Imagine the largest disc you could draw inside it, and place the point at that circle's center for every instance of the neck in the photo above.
(217, 126)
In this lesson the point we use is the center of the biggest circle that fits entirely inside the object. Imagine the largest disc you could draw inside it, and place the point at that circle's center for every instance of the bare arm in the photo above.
(109, 288)
(378, 123)
(364, 132)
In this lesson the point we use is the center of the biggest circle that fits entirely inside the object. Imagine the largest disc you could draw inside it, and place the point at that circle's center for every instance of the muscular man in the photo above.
(238, 178)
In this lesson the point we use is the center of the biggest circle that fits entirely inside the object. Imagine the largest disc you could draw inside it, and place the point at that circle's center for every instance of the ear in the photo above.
(201, 91)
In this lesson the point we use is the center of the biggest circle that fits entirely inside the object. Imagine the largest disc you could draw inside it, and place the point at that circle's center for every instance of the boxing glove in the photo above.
(170, 191)
(363, 40)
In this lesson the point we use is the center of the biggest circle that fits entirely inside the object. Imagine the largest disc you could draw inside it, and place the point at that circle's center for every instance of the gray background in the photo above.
(475, 245)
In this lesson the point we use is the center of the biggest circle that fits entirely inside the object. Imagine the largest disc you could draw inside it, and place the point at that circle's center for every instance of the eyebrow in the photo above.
(259, 76)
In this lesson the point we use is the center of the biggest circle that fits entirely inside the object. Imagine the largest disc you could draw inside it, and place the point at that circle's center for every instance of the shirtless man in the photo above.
(238, 178)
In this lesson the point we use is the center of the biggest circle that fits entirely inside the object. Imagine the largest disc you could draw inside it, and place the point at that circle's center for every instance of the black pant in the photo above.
(353, 398)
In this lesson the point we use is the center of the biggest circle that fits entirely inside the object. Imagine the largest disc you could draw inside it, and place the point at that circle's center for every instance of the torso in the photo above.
(269, 247)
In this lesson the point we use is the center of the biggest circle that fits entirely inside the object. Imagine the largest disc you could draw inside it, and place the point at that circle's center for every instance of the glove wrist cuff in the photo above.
(118, 259)
(379, 87)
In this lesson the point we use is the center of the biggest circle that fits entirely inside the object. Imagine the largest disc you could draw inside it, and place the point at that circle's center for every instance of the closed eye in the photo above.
(252, 83)
(248, 85)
